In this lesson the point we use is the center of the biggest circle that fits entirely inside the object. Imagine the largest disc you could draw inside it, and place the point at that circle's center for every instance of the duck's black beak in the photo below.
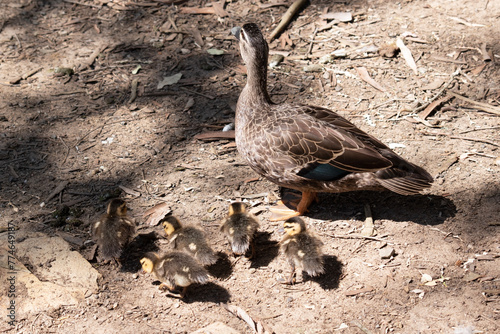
(236, 32)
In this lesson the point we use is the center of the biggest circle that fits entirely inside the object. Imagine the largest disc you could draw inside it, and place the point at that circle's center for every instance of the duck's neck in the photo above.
(256, 87)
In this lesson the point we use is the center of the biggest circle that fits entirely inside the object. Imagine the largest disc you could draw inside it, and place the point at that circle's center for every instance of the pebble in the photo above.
(386, 252)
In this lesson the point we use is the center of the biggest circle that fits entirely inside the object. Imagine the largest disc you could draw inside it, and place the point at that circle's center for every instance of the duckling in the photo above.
(174, 269)
(189, 239)
(301, 248)
(240, 228)
(114, 230)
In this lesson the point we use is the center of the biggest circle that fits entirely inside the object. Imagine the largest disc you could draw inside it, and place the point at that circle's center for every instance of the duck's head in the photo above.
(294, 225)
(253, 46)
(170, 224)
(117, 207)
(148, 262)
(237, 208)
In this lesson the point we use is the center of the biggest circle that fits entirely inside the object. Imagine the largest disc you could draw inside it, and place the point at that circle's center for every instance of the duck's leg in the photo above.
(282, 212)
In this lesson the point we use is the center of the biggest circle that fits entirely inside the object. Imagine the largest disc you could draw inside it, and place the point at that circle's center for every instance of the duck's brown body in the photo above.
(309, 148)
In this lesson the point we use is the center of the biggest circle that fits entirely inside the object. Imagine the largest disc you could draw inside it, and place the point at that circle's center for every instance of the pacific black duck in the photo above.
(309, 148)
(189, 239)
(301, 248)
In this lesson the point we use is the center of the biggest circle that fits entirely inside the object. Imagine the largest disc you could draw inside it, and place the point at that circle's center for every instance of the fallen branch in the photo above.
(479, 105)
(60, 187)
(25, 76)
(287, 17)
(93, 56)
(133, 87)
(339, 236)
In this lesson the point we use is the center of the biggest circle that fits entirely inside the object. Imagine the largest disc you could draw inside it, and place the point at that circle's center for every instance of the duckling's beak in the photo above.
(236, 32)
(281, 230)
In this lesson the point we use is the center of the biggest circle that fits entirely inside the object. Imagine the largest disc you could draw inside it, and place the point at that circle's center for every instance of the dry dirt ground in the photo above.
(80, 129)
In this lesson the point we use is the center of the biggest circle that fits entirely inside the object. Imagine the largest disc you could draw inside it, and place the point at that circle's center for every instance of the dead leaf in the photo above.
(215, 52)
(157, 213)
(358, 291)
(433, 85)
(433, 105)
(478, 70)
(406, 53)
(167, 81)
(219, 9)
(363, 73)
(257, 326)
(130, 191)
(197, 36)
(471, 276)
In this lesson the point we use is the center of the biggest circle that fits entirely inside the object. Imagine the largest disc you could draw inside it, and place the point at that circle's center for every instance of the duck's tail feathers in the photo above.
(404, 177)
(200, 275)
(207, 257)
(110, 247)
(314, 267)
(240, 245)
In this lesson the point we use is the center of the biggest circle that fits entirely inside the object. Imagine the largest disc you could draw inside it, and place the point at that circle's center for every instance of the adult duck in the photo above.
(309, 148)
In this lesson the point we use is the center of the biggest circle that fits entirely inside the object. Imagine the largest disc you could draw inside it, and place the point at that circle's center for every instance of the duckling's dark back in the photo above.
(179, 263)
(114, 230)
(112, 234)
(193, 241)
(240, 229)
(304, 249)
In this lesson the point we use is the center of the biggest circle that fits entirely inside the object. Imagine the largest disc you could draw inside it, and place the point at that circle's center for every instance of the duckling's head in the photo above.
(117, 207)
(253, 46)
(237, 208)
(148, 262)
(170, 224)
(294, 225)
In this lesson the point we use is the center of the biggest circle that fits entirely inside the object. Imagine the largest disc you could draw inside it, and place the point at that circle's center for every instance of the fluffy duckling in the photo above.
(114, 230)
(301, 248)
(240, 227)
(174, 269)
(189, 239)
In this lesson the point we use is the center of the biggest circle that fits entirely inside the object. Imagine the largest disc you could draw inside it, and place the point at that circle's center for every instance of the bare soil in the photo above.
(83, 128)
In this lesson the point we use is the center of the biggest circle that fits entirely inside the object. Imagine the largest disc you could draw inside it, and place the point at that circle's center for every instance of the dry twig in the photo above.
(287, 17)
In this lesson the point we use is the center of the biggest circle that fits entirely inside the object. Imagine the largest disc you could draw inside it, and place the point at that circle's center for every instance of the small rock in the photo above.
(386, 252)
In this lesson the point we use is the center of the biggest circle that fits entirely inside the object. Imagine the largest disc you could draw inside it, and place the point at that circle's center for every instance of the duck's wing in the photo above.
(322, 143)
